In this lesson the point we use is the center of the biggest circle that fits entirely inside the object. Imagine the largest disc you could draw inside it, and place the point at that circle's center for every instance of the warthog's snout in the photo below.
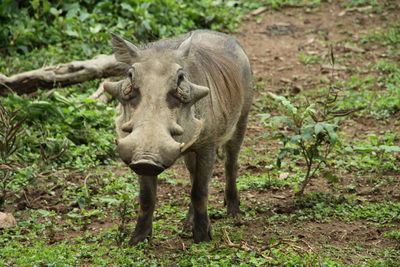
(148, 155)
(147, 167)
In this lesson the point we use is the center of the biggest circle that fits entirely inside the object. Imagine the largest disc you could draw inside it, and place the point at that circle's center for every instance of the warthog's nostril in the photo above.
(146, 167)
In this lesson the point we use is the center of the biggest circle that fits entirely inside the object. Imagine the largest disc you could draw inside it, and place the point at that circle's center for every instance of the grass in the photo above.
(99, 249)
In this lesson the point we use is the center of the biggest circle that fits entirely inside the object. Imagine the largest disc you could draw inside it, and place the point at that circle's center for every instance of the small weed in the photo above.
(322, 207)
(395, 234)
(310, 59)
(375, 154)
(263, 182)
(359, 3)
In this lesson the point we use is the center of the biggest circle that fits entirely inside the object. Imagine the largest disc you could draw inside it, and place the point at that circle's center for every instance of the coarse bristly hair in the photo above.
(223, 76)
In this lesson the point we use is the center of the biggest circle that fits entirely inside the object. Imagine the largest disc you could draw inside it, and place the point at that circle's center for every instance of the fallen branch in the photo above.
(61, 75)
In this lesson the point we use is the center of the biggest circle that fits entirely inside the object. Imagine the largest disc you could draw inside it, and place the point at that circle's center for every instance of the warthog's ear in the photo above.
(112, 88)
(124, 50)
(184, 49)
(198, 92)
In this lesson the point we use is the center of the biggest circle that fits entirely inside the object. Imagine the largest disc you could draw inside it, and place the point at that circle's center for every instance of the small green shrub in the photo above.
(310, 134)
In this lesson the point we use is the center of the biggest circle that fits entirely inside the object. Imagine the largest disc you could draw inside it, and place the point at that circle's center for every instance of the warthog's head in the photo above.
(156, 122)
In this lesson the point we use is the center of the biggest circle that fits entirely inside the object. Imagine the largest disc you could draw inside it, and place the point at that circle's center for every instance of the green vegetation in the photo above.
(76, 204)
(311, 134)
(39, 23)
(365, 92)
(326, 207)
(375, 154)
(290, 3)
(359, 3)
(310, 59)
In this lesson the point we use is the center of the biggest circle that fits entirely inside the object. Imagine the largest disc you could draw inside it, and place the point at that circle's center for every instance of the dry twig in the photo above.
(243, 246)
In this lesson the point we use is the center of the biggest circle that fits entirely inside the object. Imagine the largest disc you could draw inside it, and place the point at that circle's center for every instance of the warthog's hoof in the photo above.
(233, 208)
(234, 212)
(139, 237)
(202, 235)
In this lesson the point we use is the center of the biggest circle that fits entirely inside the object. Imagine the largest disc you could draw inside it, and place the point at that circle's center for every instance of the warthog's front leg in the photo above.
(147, 201)
(200, 178)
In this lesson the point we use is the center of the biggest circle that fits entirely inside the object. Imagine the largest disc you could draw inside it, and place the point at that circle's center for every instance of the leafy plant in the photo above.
(38, 23)
(74, 132)
(120, 199)
(10, 132)
(123, 206)
(51, 219)
(310, 131)
(309, 134)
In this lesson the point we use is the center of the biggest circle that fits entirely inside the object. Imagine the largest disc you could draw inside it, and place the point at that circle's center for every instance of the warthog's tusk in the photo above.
(182, 145)
(197, 131)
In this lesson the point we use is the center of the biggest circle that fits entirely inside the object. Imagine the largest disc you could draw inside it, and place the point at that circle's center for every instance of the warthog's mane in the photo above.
(223, 77)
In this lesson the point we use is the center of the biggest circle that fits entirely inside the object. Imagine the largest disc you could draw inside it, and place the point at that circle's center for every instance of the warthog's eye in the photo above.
(131, 75)
(180, 94)
(180, 79)
(129, 90)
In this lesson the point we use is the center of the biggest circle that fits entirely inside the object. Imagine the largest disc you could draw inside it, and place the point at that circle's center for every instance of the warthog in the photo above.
(184, 96)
